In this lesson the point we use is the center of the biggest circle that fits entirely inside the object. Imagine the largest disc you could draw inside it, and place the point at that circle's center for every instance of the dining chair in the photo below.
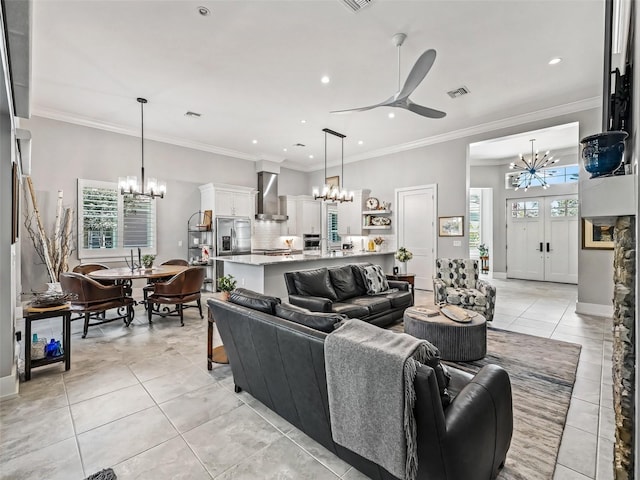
(92, 297)
(178, 290)
(149, 286)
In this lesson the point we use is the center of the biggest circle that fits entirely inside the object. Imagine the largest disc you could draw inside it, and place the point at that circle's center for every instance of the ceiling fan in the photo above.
(401, 97)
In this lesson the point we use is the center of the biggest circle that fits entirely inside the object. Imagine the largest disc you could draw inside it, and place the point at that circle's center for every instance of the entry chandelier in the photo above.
(129, 185)
(530, 169)
(333, 193)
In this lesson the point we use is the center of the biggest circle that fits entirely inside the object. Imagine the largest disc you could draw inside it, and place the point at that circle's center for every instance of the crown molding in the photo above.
(87, 122)
(587, 104)
(568, 108)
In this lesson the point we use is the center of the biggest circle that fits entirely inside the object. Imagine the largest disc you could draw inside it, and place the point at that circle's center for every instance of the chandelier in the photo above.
(530, 169)
(129, 185)
(333, 193)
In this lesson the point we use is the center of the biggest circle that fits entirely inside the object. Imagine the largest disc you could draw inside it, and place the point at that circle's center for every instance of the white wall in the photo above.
(63, 152)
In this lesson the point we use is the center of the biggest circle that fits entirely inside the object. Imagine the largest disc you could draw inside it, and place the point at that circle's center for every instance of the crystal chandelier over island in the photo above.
(333, 193)
(530, 169)
(129, 185)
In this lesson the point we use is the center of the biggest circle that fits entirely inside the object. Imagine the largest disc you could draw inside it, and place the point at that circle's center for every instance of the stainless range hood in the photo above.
(268, 198)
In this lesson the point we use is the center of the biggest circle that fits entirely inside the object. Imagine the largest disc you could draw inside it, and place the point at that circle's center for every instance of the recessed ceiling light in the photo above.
(555, 61)
(360, 142)
(310, 156)
(204, 11)
(284, 149)
(303, 121)
(254, 141)
(392, 115)
(325, 79)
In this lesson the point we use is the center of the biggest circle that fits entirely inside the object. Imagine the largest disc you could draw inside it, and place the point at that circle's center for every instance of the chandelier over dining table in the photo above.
(129, 185)
(530, 169)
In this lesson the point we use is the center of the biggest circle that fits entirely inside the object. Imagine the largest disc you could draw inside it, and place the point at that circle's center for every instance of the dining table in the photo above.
(125, 275)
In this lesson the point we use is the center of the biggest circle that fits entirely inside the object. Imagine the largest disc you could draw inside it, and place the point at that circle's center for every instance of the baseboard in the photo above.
(9, 385)
(499, 275)
(594, 309)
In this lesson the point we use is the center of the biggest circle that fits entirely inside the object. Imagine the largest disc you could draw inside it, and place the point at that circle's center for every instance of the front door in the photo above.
(416, 231)
(542, 238)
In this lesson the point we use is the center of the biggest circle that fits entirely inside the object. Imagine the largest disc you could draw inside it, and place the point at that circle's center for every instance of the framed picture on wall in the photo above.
(596, 237)
(451, 226)
(333, 181)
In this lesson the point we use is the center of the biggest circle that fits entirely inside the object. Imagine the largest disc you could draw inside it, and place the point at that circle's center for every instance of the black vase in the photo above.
(602, 153)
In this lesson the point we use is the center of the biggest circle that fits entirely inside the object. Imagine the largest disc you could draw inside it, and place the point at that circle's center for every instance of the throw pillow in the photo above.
(254, 300)
(376, 280)
(325, 322)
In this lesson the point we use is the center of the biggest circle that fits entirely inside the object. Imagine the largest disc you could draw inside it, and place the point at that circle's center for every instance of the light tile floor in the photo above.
(141, 400)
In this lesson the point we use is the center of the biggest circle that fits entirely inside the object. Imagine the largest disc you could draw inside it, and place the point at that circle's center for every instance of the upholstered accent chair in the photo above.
(92, 298)
(178, 290)
(457, 282)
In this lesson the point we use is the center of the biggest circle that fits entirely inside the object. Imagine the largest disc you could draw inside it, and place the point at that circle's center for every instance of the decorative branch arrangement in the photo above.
(54, 249)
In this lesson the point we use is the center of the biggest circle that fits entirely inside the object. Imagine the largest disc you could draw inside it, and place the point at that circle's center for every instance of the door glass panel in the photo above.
(572, 212)
(531, 205)
(532, 213)
(557, 212)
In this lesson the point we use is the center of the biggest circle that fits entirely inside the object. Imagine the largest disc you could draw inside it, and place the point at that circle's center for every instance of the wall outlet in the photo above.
(179, 243)
(457, 243)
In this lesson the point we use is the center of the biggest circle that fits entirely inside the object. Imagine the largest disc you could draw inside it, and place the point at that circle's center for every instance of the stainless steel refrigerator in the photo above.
(233, 237)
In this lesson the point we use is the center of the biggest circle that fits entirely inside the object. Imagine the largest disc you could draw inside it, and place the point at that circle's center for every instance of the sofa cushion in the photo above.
(465, 296)
(399, 299)
(350, 310)
(344, 282)
(314, 283)
(325, 322)
(375, 304)
(254, 300)
(376, 279)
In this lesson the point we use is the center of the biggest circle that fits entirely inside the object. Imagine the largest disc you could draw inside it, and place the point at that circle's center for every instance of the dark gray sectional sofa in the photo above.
(342, 290)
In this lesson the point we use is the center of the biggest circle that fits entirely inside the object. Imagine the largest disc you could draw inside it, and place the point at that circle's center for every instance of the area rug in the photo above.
(542, 373)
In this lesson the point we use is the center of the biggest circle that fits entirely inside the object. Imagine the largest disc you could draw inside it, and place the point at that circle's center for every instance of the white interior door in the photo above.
(561, 239)
(525, 235)
(415, 214)
(542, 238)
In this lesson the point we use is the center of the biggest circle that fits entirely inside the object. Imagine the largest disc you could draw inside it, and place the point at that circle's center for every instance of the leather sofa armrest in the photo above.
(399, 284)
(315, 304)
(439, 291)
(480, 415)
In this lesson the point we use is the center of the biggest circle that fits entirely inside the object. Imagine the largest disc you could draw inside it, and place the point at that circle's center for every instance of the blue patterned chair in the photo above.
(456, 282)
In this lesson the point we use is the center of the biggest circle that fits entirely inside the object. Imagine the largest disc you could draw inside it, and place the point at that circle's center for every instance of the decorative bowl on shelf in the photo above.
(602, 153)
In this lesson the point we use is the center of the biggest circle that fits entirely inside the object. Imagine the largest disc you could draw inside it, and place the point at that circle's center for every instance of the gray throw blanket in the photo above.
(370, 374)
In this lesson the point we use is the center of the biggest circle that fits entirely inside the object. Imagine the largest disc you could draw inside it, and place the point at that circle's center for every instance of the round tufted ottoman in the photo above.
(457, 342)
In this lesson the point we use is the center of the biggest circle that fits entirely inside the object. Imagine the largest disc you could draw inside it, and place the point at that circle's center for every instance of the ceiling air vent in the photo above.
(192, 114)
(355, 5)
(458, 92)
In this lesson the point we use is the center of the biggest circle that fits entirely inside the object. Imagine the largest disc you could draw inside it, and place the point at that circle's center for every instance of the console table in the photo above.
(34, 314)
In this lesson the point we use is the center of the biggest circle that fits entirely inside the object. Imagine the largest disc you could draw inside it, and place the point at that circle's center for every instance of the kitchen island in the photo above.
(265, 274)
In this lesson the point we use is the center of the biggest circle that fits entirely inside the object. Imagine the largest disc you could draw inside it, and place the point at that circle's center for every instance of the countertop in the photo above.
(305, 257)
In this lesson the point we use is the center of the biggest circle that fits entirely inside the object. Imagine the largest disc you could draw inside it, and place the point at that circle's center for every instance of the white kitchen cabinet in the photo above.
(289, 227)
(228, 200)
(350, 214)
(309, 214)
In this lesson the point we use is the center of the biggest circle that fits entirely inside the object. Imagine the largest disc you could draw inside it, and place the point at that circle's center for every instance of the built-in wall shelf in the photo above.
(604, 199)
(377, 227)
(376, 212)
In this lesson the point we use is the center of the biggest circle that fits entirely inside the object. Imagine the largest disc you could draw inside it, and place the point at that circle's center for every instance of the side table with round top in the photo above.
(457, 342)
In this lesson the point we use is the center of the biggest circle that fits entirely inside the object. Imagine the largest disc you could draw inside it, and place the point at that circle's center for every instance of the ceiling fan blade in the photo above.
(387, 103)
(424, 111)
(418, 72)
